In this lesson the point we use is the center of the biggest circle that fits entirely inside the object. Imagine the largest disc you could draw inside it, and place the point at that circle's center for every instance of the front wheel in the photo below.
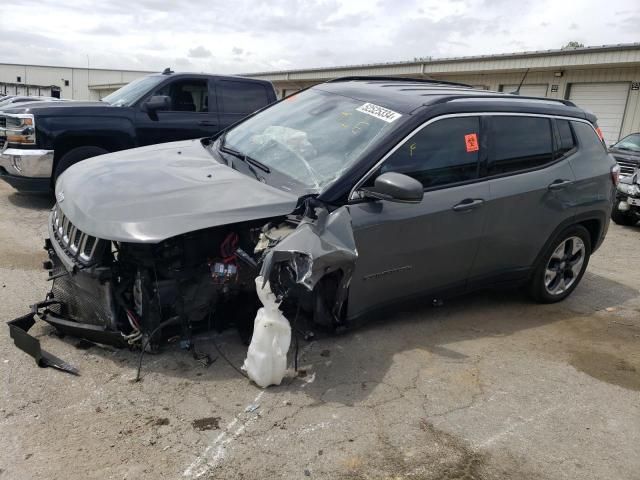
(74, 156)
(562, 266)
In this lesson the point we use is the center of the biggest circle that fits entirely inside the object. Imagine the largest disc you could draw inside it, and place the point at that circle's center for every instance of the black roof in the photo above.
(405, 95)
(171, 73)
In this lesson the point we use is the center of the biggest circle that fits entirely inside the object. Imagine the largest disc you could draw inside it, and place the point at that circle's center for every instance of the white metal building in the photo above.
(604, 80)
(69, 83)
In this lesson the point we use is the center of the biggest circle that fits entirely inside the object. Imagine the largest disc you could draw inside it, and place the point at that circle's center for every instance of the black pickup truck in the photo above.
(41, 140)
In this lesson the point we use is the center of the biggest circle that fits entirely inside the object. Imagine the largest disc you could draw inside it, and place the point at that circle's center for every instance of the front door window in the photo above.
(443, 153)
(187, 95)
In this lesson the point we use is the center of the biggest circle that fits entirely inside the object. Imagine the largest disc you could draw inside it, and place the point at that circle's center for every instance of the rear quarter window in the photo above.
(241, 97)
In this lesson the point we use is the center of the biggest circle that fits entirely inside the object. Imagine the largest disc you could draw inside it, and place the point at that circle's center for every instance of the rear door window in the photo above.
(444, 152)
(241, 97)
(518, 144)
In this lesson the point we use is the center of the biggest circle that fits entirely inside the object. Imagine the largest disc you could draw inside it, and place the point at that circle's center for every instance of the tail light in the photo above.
(600, 135)
(615, 174)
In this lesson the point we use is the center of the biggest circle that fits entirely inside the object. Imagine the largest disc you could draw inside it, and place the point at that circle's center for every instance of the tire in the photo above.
(74, 156)
(623, 219)
(561, 266)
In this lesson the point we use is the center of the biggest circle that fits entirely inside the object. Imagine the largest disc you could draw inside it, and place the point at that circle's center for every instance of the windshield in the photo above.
(132, 92)
(312, 136)
(630, 142)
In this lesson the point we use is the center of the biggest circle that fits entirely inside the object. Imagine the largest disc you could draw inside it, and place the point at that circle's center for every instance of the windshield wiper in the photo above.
(251, 162)
(247, 160)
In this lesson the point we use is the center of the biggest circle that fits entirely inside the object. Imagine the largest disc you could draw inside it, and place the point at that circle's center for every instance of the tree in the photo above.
(573, 44)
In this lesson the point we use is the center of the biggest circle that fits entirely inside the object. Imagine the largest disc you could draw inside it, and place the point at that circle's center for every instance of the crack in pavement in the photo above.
(203, 464)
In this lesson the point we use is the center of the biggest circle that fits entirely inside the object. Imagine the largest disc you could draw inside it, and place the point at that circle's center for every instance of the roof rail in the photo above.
(507, 96)
(398, 79)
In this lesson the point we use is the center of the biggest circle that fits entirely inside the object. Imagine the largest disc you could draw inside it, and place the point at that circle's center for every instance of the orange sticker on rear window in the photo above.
(471, 141)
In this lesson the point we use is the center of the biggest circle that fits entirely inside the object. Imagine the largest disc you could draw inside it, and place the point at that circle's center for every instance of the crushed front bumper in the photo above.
(80, 303)
(85, 305)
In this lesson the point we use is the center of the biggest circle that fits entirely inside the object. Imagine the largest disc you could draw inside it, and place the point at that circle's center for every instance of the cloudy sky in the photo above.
(251, 35)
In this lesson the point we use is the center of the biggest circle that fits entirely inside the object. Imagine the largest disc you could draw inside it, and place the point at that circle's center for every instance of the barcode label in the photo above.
(379, 112)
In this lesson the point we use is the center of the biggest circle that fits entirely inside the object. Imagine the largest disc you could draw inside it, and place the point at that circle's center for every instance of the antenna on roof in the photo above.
(167, 71)
(517, 92)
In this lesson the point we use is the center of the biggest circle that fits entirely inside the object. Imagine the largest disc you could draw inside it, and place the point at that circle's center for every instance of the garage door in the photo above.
(607, 101)
(538, 90)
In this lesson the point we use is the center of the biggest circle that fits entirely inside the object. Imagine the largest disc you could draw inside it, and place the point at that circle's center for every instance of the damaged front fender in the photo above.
(317, 248)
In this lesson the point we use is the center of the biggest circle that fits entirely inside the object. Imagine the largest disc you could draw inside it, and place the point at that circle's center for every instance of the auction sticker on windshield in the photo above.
(379, 112)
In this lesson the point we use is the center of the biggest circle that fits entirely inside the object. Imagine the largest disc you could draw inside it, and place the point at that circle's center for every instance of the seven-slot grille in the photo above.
(626, 167)
(78, 245)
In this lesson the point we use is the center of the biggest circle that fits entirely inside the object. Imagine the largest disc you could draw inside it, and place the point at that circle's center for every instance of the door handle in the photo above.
(206, 123)
(559, 184)
(468, 204)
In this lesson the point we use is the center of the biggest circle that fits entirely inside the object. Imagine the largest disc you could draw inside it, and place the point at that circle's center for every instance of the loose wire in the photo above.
(166, 323)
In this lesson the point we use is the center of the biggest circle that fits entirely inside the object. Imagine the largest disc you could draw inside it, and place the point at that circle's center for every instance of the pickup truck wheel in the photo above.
(74, 156)
(562, 266)
(623, 219)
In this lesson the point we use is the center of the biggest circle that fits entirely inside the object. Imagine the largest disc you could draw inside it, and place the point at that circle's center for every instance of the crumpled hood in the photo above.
(149, 194)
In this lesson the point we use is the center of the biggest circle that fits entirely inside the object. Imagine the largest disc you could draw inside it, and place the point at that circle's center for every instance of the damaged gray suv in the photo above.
(347, 197)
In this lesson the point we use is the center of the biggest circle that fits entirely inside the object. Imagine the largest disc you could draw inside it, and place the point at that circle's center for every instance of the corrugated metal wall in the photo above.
(79, 80)
(558, 86)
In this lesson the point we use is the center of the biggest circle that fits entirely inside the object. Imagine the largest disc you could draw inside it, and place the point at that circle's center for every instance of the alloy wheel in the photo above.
(564, 266)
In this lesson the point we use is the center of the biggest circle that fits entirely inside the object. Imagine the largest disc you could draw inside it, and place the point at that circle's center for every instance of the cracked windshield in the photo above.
(312, 136)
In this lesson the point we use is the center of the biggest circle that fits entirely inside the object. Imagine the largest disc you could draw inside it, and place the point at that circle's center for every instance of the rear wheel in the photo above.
(74, 156)
(622, 218)
(562, 266)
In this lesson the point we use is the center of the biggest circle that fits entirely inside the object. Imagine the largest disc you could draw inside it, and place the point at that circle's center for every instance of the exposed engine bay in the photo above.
(138, 294)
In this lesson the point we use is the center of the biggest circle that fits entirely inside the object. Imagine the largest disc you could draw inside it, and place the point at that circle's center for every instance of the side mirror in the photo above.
(157, 103)
(395, 187)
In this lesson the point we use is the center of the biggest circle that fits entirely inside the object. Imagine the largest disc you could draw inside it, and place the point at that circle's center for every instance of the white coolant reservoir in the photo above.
(266, 362)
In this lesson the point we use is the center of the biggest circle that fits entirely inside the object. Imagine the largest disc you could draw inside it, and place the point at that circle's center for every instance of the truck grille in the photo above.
(3, 138)
(77, 244)
(626, 167)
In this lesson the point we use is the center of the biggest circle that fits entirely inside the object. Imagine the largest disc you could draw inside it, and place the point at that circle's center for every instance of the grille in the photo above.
(3, 138)
(627, 167)
(78, 244)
